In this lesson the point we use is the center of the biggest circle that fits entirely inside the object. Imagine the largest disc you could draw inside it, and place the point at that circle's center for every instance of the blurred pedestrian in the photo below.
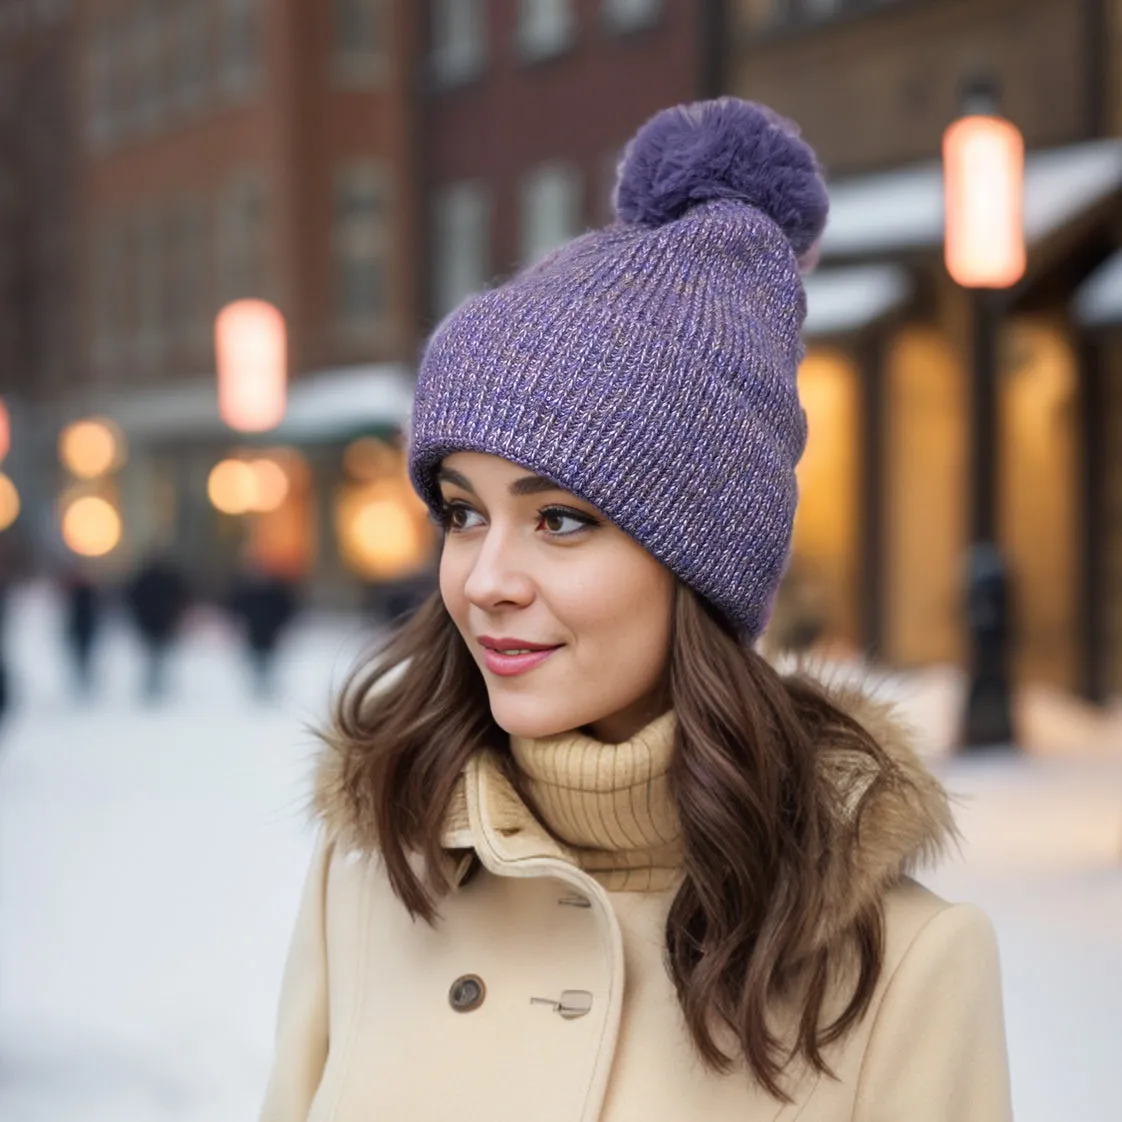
(5, 677)
(157, 598)
(82, 623)
(264, 603)
(585, 853)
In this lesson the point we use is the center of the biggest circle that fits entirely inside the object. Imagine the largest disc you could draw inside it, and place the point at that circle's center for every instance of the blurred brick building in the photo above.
(526, 107)
(37, 200)
(887, 489)
(230, 149)
(38, 229)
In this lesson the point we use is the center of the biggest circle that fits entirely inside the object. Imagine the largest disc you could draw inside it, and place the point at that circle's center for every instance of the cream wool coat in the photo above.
(367, 1029)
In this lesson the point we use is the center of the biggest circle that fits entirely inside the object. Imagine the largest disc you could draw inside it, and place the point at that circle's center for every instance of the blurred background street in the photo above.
(227, 228)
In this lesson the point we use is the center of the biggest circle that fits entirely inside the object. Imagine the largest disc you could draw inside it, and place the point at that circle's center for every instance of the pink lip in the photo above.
(506, 666)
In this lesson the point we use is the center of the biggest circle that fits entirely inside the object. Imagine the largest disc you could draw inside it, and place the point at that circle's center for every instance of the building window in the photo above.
(144, 98)
(105, 287)
(242, 233)
(119, 286)
(459, 40)
(631, 15)
(360, 41)
(187, 290)
(240, 46)
(360, 248)
(461, 242)
(147, 302)
(134, 57)
(101, 87)
(550, 209)
(188, 65)
(545, 28)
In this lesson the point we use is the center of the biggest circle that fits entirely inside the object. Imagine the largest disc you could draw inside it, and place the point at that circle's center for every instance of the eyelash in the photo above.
(587, 521)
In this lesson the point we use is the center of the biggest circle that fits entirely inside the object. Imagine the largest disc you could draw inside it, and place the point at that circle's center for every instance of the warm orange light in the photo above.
(232, 487)
(368, 459)
(381, 535)
(251, 349)
(91, 526)
(9, 502)
(5, 431)
(91, 448)
(983, 180)
(270, 485)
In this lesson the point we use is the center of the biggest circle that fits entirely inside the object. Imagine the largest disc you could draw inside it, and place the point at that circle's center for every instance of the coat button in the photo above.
(467, 993)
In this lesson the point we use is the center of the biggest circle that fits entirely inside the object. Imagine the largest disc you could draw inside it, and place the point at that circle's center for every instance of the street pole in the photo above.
(987, 717)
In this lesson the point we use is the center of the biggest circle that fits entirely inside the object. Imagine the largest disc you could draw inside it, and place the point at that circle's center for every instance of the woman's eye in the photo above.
(563, 523)
(457, 516)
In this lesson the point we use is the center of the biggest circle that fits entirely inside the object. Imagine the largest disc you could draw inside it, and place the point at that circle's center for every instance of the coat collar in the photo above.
(486, 809)
(905, 818)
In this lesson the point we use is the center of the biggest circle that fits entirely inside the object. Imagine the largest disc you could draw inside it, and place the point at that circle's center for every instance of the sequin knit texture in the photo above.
(652, 372)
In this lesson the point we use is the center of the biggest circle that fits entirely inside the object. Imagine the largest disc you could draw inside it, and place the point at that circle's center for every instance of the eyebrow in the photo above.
(526, 485)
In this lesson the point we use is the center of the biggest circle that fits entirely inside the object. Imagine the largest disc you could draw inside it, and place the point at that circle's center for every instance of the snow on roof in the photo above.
(843, 300)
(903, 209)
(1098, 300)
(322, 405)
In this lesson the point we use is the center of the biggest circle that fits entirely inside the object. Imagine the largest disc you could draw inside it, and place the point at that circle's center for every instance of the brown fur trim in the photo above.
(888, 819)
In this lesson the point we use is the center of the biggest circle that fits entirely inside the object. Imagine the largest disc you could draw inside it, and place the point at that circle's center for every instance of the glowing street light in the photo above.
(271, 485)
(231, 487)
(91, 526)
(383, 531)
(983, 181)
(258, 486)
(91, 448)
(9, 502)
(252, 358)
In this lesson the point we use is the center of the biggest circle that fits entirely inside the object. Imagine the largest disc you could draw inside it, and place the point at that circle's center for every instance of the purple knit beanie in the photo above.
(650, 367)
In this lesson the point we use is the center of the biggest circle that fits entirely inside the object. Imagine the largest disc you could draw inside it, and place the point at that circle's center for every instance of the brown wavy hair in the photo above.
(744, 930)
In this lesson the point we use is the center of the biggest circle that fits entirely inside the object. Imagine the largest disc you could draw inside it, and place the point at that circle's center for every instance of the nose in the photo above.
(498, 576)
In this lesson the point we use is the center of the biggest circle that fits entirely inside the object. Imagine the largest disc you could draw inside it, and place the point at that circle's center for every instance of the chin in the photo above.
(529, 718)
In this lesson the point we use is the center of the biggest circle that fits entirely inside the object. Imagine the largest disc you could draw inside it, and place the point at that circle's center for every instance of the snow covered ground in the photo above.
(150, 861)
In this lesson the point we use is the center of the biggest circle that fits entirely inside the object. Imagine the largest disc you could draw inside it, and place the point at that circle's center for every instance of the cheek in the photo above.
(624, 621)
(452, 579)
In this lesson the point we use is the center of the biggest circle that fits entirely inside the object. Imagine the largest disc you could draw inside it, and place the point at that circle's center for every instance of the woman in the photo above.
(585, 854)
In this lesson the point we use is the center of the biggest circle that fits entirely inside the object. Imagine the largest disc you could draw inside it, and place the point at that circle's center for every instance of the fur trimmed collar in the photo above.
(888, 820)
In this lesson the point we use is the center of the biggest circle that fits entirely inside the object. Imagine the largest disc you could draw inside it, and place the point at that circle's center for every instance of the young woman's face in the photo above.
(529, 567)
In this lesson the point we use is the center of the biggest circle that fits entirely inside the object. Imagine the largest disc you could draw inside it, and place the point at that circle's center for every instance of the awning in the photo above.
(325, 405)
(902, 210)
(1098, 300)
(839, 301)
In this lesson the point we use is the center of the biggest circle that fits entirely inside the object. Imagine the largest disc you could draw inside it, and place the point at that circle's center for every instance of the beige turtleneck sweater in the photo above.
(609, 803)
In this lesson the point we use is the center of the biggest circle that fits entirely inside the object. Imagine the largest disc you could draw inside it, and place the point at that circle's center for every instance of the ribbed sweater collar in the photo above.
(610, 803)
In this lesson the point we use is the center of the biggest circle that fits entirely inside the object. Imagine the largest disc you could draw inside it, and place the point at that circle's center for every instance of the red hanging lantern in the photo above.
(252, 357)
(5, 431)
(983, 178)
